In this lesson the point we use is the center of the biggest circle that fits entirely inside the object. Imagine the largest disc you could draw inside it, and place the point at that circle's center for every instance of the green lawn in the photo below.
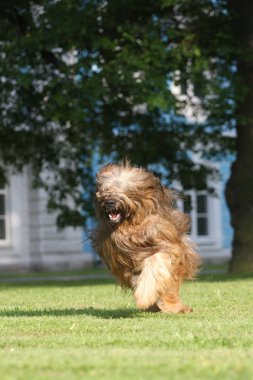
(91, 330)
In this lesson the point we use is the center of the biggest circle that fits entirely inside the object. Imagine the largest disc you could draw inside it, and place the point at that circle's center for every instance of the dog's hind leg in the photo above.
(155, 288)
(170, 302)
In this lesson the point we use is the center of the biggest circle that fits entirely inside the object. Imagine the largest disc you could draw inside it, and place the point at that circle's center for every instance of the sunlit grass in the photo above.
(92, 330)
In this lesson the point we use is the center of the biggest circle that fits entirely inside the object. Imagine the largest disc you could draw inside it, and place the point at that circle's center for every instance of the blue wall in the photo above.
(227, 231)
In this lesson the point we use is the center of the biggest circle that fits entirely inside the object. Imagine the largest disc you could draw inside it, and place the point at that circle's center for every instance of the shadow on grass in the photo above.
(56, 283)
(223, 277)
(90, 311)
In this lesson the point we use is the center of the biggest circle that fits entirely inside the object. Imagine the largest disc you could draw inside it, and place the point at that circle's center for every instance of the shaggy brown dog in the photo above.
(142, 237)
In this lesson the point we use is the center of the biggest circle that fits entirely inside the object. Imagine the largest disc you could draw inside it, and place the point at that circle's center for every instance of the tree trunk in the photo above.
(239, 190)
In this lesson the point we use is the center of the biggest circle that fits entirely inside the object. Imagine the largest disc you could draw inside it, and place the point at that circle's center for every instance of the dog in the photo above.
(142, 237)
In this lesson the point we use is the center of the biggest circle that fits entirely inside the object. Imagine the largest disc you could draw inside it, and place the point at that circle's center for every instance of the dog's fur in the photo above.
(142, 237)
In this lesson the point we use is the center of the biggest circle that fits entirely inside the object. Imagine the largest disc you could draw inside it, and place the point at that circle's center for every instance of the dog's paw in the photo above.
(186, 309)
(178, 307)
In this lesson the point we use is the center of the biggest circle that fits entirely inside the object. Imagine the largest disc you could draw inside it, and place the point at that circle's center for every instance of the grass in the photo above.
(101, 269)
(91, 330)
(67, 272)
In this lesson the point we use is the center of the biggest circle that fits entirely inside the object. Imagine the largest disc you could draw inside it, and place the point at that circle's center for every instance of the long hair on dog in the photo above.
(142, 237)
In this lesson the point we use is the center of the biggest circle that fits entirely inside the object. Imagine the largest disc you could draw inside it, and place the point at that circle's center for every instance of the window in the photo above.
(196, 205)
(187, 207)
(3, 215)
(202, 215)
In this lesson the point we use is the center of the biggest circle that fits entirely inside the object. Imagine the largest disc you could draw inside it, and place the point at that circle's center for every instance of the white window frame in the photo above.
(5, 193)
(200, 239)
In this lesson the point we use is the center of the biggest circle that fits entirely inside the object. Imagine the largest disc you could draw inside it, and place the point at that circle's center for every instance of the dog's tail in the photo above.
(191, 260)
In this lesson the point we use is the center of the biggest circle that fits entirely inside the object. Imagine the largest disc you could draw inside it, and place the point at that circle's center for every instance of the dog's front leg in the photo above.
(149, 281)
(144, 293)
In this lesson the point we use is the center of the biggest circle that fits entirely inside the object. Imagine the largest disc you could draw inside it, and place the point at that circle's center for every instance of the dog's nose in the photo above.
(110, 203)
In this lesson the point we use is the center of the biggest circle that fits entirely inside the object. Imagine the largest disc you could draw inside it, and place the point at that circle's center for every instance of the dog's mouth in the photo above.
(115, 216)
(111, 210)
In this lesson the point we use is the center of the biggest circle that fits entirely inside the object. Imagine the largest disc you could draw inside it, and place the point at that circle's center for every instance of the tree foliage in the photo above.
(93, 78)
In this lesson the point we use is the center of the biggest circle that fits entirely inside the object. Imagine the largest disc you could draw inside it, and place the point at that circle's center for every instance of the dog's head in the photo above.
(127, 193)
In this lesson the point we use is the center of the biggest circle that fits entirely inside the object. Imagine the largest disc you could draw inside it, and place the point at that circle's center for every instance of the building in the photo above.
(30, 240)
(210, 220)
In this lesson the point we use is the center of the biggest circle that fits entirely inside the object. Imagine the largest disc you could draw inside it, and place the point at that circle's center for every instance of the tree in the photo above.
(239, 190)
(82, 79)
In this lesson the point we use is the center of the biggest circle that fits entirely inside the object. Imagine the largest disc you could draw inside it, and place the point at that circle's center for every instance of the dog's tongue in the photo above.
(114, 217)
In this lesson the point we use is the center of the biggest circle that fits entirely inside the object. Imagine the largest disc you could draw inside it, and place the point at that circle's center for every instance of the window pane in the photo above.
(2, 230)
(2, 208)
(201, 203)
(202, 226)
(187, 204)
